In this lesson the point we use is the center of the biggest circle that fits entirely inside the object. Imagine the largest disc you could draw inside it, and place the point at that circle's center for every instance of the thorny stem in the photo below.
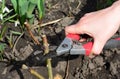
(31, 34)
(46, 50)
(49, 68)
(45, 44)
(33, 72)
(58, 76)
(36, 74)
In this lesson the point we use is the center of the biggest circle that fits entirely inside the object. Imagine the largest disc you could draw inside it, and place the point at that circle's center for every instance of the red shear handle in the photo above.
(118, 39)
(88, 47)
(112, 43)
(73, 36)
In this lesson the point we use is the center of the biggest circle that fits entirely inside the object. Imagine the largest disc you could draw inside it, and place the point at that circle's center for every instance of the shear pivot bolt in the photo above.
(64, 45)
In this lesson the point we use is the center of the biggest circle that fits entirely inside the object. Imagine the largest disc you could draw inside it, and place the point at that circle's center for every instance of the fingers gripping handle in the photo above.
(117, 39)
(73, 36)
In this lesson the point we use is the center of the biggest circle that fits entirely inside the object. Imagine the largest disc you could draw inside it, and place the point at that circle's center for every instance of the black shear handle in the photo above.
(112, 43)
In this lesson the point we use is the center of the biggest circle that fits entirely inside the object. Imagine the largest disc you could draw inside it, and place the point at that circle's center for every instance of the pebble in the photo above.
(91, 66)
(99, 61)
(113, 68)
(61, 66)
(67, 21)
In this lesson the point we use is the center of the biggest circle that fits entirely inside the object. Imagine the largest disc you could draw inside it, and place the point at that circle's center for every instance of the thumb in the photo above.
(97, 47)
(72, 29)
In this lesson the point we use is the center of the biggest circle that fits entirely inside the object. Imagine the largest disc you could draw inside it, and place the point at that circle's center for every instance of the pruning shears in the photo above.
(71, 45)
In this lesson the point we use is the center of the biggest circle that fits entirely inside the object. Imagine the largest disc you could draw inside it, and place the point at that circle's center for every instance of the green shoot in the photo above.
(41, 10)
(2, 32)
(11, 37)
(2, 48)
(25, 8)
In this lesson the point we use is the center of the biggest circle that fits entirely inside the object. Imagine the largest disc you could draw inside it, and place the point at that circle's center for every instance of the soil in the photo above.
(104, 66)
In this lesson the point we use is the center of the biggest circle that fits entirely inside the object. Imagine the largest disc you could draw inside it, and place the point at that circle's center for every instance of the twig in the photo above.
(78, 4)
(17, 42)
(67, 69)
(45, 44)
(33, 72)
(46, 50)
(58, 76)
(9, 18)
(4, 71)
(48, 23)
(31, 34)
(49, 67)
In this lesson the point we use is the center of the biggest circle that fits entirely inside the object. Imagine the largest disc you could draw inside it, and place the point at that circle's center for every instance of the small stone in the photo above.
(67, 21)
(58, 29)
(99, 61)
(61, 66)
(99, 68)
(58, 76)
(113, 68)
(107, 53)
(91, 66)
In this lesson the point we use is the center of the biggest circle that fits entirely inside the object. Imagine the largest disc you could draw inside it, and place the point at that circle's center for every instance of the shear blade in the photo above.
(64, 47)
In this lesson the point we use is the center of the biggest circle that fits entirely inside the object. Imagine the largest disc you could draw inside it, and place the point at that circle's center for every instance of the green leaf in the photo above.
(31, 8)
(33, 1)
(2, 47)
(23, 6)
(16, 33)
(29, 16)
(31, 20)
(3, 32)
(3, 4)
(15, 5)
(41, 10)
(22, 19)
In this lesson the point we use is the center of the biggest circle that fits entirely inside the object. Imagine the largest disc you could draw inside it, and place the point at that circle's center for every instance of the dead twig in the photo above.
(45, 44)
(58, 76)
(78, 5)
(46, 50)
(33, 72)
(45, 24)
(4, 71)
(31, 34)
(17, 42)
(67, 69)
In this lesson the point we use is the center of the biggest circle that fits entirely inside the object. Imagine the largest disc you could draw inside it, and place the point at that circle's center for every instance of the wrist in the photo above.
(116, 5)
(115, 9)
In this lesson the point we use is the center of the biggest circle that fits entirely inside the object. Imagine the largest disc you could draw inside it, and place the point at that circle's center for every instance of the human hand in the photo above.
(101, 25)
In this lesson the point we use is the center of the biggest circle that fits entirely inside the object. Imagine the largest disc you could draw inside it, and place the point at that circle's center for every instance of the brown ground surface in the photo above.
(104, 66)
